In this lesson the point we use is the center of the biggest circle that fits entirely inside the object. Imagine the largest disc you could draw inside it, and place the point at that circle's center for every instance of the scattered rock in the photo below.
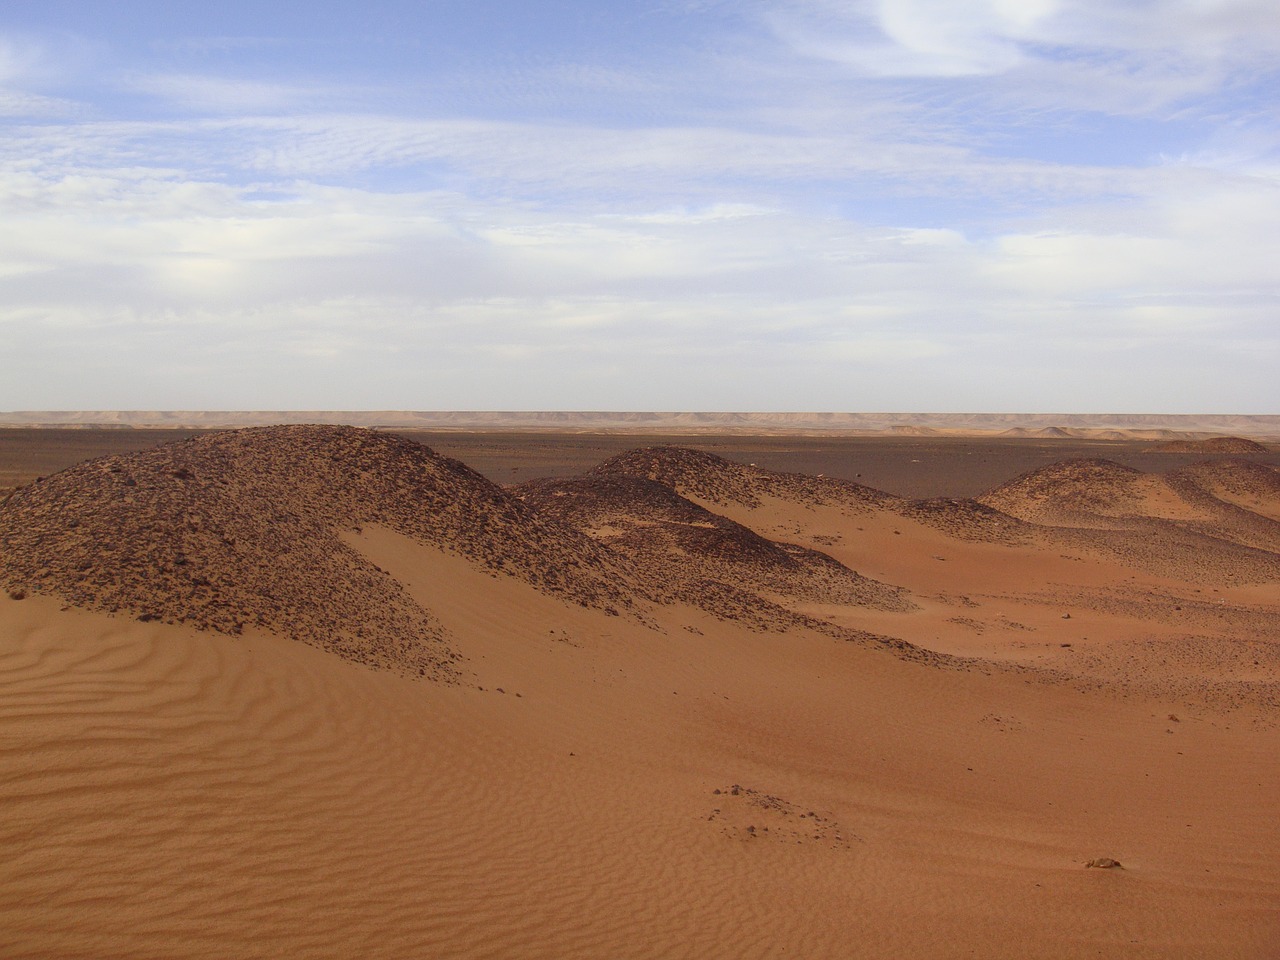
(245, 528)
(684, 552)
(1229, 445)
(749, 814)
(1105, 863)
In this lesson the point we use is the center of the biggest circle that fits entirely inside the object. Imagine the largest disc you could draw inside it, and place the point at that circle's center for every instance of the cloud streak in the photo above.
(828, 206)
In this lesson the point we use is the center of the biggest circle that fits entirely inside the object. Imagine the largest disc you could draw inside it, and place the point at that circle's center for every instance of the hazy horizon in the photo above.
(694, 423)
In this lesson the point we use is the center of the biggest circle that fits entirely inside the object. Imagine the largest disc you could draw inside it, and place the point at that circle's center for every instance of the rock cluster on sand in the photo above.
(712, 479)
(1214, 520)
(246, 528)
(1227, 445)
(689, 553)
(242, 528)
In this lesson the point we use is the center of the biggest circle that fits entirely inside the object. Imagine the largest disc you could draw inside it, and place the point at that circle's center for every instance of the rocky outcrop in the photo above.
(242, 528)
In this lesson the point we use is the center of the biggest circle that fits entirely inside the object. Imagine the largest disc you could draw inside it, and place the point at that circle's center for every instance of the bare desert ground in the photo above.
(315, 691)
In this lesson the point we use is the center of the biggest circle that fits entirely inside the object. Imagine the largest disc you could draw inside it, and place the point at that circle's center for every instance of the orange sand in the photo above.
(167, 792)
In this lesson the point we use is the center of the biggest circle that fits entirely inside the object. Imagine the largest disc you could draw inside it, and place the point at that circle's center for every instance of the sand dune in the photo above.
(612, 768)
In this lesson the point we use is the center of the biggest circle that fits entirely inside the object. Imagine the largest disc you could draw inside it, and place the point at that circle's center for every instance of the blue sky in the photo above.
(1000, 205)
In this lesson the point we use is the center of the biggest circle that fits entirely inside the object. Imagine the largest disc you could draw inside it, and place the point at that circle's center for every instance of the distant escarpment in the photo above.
(689, 553)
(242, 528)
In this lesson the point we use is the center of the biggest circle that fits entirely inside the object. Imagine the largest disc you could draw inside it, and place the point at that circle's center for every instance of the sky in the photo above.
(752, 205)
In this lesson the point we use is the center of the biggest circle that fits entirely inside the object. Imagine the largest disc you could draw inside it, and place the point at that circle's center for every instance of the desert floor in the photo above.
(674, 785)
(952, 466)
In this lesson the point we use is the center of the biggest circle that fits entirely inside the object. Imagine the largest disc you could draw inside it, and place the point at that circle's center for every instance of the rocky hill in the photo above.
(712, 479)
(1216, 520)
(242, 528)
(1220, 445)
(246, 528)
(1255, 486)
(1086, 491)
(689, 553)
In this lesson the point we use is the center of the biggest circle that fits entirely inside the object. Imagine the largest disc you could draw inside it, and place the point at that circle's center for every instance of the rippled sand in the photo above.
(673, 785)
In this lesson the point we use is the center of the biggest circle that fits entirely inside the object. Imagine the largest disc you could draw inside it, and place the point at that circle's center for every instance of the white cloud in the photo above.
(25, 62)
(914, 38)
(391, 292)
(829, 241)
(1123, 57)
(1209, 240)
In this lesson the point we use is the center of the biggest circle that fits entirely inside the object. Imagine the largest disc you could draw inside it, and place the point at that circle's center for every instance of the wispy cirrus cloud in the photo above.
(1086, 55)
(810, 205)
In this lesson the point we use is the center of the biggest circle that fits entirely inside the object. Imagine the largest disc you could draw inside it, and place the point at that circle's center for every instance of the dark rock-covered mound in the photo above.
(1223, 445)
(1257, 484)
(1069, 489)
(1240, 499)
(712, 479)
(965, 519)
(715, 480)
(686, 552)
(1205, 521)
(243, 528)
